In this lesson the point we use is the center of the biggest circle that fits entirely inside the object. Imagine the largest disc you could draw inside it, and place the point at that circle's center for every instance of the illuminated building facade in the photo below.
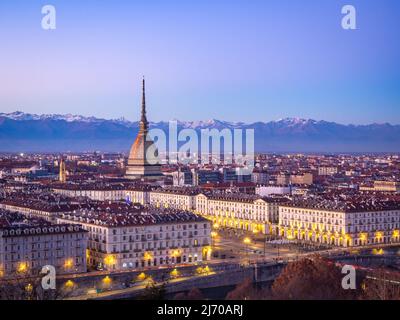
(25, 249)
(98, 192)
(341, 224)
(387, 186)
(138, 240)
(240, 211)
(174, 198)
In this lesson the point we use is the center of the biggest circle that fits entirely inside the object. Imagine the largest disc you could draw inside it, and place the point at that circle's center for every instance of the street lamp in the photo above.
(213, 236)
(247, 241)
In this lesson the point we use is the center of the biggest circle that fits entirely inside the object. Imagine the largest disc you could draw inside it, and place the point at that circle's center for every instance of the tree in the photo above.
(245, 291)
(180, 296)
(381, 285)
(154, 291)
(193, 294)
(18, 286)
(313, 278)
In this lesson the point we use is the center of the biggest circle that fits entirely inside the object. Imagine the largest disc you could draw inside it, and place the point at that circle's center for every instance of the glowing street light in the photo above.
(174, 273)
(29, 287)
(378, 252)
(142, 276)
(247, 241)
(213, 236)
(22, 267)
(107, 281)
(69, 284)
(206, 270)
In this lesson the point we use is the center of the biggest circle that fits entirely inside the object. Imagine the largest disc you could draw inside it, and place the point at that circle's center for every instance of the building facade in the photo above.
(340, 224)
(174, 198)
(25, 249)
(135, 240)
(99, 192)
(240, 211)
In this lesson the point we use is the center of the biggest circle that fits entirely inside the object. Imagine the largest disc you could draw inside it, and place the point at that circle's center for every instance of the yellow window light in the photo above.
(109, 259)
(363, 236)
(69, 263)
(147, 256)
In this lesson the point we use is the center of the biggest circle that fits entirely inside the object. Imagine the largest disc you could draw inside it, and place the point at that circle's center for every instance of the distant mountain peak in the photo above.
(296, 121)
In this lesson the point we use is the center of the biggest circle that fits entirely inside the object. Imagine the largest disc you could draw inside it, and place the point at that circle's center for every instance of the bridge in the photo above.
(125, 285)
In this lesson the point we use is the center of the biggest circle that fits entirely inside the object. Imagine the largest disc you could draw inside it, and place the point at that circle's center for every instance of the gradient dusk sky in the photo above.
(232, 60)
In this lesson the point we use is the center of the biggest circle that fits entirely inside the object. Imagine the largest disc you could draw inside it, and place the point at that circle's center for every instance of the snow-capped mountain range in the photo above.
(21, 131)
(22, 116)
(211, 123)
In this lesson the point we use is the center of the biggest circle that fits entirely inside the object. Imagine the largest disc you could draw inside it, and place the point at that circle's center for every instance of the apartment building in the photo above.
(327, 171)
(139, 238)
(174, 198)
(93, 191)
(387, 186)
(26, 245)
(37, 208)
(241, 211)
(341, 223)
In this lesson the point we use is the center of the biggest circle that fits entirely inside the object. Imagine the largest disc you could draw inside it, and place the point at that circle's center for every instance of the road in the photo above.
(235, 251)
(135, 288)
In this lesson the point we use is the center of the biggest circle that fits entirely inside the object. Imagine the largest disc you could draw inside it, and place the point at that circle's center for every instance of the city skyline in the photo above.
(241, 59)
(174, 154)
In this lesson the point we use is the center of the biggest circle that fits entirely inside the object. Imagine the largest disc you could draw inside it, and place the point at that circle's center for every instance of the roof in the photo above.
(348, 205)
(110, 219)
(13, 224)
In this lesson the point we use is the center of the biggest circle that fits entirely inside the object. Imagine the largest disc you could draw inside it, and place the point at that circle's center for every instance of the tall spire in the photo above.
(143, 118)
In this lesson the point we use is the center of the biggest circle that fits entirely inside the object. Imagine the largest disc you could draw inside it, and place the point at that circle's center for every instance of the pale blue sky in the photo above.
(233, 60)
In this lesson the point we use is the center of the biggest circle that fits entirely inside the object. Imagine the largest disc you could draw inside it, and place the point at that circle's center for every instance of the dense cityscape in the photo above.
(116, 225)
(199, 159)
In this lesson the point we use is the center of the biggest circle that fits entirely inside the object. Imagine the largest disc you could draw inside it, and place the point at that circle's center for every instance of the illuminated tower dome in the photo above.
(143, 162)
